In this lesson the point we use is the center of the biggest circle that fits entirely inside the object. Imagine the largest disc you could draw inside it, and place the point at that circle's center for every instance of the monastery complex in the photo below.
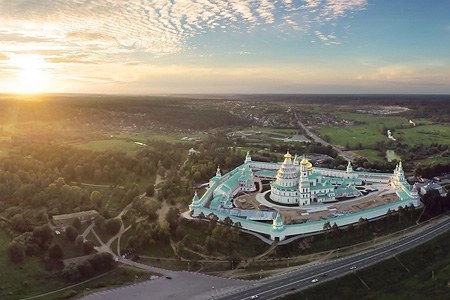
(295, 184)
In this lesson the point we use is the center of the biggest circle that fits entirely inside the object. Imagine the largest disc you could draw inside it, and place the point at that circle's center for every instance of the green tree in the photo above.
(16, 252)
(150, 190)
(96, 198)
(19, 223)
(112, 226)
(172, 217)
(85, 269)
(79, 241)
(71, 272)
(228, 221)
(76, 223)
(71, 233)
(55, 252)
(326, 228)
(42, 235)
(88, 247)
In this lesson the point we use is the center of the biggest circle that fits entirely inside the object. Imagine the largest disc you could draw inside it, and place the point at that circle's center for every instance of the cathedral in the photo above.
(298, 183)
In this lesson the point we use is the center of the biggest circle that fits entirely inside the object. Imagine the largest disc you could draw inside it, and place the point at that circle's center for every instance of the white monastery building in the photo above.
(296, 183)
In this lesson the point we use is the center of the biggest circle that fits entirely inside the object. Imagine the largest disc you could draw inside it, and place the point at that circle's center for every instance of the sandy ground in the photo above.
(384, 195)
(247, 201)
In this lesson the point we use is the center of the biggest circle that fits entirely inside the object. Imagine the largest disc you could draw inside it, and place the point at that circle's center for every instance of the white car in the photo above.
(315, 280)
(352, 268)
(254, 297)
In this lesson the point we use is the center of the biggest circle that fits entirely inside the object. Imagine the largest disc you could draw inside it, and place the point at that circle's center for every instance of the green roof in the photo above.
(266, 173)
(284, 188)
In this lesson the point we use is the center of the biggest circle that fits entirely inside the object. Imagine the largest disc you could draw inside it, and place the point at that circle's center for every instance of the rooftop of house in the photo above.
(75, 215)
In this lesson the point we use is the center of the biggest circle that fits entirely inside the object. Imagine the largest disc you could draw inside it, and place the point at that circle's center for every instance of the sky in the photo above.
(218, 46)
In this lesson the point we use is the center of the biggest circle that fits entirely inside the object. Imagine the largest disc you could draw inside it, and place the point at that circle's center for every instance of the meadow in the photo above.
(368, 131)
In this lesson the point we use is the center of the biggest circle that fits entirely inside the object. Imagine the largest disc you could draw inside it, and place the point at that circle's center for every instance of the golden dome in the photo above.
(304, 160)
(287, 155)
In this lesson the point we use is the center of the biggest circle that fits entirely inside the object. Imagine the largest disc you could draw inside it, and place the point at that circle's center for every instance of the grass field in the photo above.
(371, 154)
(270, 135)
(110, 145)
(369, 133)
(127, 141)
(426, 134)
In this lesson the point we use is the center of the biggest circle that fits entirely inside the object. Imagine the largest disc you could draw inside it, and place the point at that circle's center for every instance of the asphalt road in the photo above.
(318, 139)
(274, 287)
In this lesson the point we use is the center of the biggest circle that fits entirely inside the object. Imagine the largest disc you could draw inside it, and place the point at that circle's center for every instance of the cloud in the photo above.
(309, 4)
(327, 39)
(389, 73)
(77, 58)
(432, 73)
(159, 27)
(339, 8)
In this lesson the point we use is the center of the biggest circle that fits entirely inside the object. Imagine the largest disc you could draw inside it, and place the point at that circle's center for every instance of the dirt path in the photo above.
(106, 247)
(162, 211)
(244, 263)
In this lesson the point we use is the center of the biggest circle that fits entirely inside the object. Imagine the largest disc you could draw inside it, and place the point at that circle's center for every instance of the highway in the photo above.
(274, 287)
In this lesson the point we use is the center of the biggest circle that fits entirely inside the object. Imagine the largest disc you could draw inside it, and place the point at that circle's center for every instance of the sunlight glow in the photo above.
(33, 75)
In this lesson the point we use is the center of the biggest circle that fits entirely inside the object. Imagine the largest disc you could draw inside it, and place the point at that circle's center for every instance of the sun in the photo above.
(33, 74)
